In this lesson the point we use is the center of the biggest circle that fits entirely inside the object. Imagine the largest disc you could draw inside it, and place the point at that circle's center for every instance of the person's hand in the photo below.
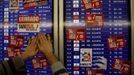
(101, 63)
(45, 46)
(44, 43)
(31, 49)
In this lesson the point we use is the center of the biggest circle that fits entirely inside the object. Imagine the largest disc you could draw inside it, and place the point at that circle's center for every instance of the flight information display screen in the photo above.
(21, 20)
(97, 37)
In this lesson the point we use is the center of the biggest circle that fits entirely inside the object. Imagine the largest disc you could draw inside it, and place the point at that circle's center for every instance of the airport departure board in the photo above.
(97, 37)
(21, 20)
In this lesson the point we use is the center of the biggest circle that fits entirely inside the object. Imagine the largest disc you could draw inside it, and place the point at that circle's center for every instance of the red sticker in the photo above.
(117, 64)
(13, 52)
(36, 63)
(16, 41)
(126, 67)
(123, 66)
(97, 4)
(116, 42)
(99, 19)
(14, 5)
(39, 63)
(99, 72)
(17, 52)
(76, 33)
(10, 52)
(91, 4)
(87, 5)
(120, 41)
(95, 72)
(13, 41)
(95, 20)
(29, 23)
(95, 0)
(111, 43)
(43, 62)
(27, 4)
(90, 72)
(90, 20)
(20, 41)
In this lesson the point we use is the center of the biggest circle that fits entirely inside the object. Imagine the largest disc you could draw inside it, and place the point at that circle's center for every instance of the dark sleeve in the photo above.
(59, 69)
(14, 66)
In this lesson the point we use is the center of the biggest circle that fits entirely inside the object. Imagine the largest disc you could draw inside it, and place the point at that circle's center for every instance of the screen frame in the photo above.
(132, 30)
(55, 27)
(62, 32)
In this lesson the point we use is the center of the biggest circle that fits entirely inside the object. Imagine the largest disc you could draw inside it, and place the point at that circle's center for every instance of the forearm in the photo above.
(24, 57)
(59, 69)
(57, 66)
(51, 58)
(13, 66)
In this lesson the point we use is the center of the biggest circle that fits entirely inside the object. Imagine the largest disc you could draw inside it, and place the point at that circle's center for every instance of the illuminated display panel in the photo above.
(97, 37)
(21, 20)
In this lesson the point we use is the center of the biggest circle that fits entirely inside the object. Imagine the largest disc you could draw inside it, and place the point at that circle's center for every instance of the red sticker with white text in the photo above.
(87, 4)
(29, 23)
(39, 63)
(116, 42)
(94, 72)
(112, 43)
(96, 4)
(123, 66)
(16, 41)
(91, 4)
(14, 5)
(76, 33)
(13, 52)
(27, 4)
(95, 20)
(120, 41)
(126, 67)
